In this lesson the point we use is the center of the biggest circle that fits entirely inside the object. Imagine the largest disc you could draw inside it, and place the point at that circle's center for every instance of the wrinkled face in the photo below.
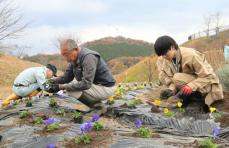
(70, 55)
(170, 54)
(49, 74)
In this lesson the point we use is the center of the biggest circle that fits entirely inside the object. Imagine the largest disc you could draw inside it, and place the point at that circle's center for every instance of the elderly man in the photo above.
(94, 79)
(186, 71)
(30, 82)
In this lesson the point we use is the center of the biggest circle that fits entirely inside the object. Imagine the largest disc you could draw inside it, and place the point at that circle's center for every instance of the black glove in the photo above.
(52, 88)
(166, 93)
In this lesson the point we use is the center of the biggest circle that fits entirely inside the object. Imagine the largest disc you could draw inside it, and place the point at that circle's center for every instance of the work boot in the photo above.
(35, 93)
(11, 97)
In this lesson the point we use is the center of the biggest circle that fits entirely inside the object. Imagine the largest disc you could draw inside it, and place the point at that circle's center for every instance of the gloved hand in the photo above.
(51, 81)
(186, 90)
(52, 88)
(166, 93)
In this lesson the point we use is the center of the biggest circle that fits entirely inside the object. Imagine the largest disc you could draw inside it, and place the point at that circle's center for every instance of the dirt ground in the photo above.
(99, 139)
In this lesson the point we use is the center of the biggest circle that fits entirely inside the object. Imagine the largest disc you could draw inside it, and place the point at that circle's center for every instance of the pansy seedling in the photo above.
(111, 98)
(179, 104)
(50, 121)
(85, 127)
(216, 132)
(212, 109)
(157, 102)
(51, 146)
(166, 110)
(95, 118)
(138, 123)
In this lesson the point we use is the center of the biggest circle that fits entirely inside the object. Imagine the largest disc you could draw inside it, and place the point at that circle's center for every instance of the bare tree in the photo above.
(10, 20)
(217, 21)
(207, 22)
(21, 51)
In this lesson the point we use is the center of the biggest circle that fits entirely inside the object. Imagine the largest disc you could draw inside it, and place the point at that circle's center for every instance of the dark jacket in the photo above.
(89, 69)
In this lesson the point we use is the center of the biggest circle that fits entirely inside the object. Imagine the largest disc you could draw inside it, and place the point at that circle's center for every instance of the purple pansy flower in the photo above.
(50, 121)
(33, 116)
(138, 123)
(85, 127)
(216, 132)
(95, 118)
(51, 146)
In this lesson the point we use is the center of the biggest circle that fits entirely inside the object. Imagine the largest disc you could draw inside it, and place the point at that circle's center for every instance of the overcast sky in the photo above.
(94, 19)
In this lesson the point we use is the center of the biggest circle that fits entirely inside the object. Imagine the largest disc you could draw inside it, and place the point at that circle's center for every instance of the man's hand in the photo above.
(52, 88)
(166, 93)
(51, 81)
(186, 90)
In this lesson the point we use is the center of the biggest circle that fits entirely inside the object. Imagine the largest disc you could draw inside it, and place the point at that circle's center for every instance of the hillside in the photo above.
(209, 43)
(44, 59)
(119, 47)
(10, 67)
(120, 64)
(212, 47)
(140, 72)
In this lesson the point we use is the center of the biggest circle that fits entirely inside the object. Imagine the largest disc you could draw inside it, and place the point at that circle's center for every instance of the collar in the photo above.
(78, 58)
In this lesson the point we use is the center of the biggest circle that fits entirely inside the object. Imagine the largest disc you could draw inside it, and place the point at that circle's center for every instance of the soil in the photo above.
(224, 121)
(58, 131)
(100, 139)
(223, 105)
(124, 105)
(29, 121)
(154, 135)
(4, 142)
(4, 127)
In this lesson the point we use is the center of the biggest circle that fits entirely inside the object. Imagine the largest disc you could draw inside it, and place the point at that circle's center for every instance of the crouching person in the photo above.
(186, 73)
(30, 82)
(94, 81)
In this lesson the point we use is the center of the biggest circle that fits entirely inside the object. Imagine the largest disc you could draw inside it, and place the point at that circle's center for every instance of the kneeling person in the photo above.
(94, 80)
(30, 82)
(186, 70)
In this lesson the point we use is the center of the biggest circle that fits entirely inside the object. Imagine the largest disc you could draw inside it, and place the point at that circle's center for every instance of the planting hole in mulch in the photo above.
(44, 132)
(101, 139)
(154, 135)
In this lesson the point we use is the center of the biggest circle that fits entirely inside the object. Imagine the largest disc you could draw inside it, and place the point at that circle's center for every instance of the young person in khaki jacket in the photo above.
(186, 71)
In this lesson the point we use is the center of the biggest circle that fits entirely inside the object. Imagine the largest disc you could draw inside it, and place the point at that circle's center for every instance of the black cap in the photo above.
(52, 68)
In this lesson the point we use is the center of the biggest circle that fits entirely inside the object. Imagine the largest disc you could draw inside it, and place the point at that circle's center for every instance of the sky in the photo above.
(88, 20)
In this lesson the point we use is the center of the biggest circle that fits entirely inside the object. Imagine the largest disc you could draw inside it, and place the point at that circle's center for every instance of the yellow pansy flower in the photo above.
(111, 98)
(212, 109)
(115, 89)
(157, 102)
(166, 110)
(179, 104)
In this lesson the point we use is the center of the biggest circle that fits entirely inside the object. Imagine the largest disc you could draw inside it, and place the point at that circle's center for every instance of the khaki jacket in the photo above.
(191, 62)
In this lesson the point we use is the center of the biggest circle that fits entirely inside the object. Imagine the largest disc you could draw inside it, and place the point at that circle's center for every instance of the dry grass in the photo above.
(138, 72)
(209, 43)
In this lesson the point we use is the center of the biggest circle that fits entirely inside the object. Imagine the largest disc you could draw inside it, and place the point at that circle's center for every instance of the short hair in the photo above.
(163, 44)
(71, 44)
